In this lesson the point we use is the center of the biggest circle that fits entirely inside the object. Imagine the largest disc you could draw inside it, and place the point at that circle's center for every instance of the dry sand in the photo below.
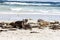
(43, 34)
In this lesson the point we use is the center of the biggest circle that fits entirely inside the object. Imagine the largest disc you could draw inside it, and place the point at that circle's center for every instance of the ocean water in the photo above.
(30, 6)
(40, 8)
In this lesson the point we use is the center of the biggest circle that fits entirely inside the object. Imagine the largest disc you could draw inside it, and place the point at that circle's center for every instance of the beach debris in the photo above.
(13, 29)
(43, 24)
(34, 32)
(54, 27)
(3, 30)
(29, 24)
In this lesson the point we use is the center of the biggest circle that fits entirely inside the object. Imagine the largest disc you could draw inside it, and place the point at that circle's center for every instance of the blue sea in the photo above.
(29, 7)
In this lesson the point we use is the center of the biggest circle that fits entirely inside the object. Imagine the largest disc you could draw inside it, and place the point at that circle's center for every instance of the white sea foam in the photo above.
(14, 3)
(26, 3)
(15, 9)
(25, 11)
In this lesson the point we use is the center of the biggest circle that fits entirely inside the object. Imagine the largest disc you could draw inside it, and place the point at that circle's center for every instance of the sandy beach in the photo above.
(42, 34)
(17, 11)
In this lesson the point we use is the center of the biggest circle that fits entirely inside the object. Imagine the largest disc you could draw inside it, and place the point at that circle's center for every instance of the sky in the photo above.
(37, 0)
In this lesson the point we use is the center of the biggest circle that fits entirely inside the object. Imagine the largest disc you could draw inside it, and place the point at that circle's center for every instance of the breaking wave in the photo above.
(33, 3)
